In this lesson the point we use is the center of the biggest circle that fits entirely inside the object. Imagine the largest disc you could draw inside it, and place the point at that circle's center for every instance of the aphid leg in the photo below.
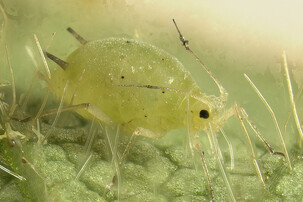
(138, 132)
(90, 139)
(185, 43)
(205, 169)
(238, 113)
(116, 142)
(189, 135)
(231, 111)
(259, 135)
(58, 112)
(291, 96)
(87, 148)
(241, 114)
(231, 151)
(219, 161)
(93, 110)
(77, 36)
(83, 167)
(115, 161)
(273, 117)
(127, 148)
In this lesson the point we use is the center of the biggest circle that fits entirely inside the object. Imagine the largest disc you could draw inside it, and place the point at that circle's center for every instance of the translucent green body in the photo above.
(109, 63)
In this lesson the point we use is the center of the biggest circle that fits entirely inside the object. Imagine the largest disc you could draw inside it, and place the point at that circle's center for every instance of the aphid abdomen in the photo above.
(112, 62)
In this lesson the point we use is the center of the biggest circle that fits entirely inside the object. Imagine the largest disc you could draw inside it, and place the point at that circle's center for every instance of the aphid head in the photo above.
(205, 114)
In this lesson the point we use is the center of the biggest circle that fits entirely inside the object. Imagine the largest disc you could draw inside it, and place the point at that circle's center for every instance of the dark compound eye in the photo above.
(204, 114)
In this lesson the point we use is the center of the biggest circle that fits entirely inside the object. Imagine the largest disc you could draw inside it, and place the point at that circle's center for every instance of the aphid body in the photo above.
(110, 73)
(141, 87)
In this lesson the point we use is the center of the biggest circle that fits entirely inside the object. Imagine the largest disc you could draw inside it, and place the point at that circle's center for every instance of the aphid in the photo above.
(99, 72)
(137, 85)
(142, 88)
(112, 63)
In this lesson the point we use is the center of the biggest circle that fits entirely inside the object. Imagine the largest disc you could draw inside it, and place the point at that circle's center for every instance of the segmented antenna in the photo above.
(185, 43)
